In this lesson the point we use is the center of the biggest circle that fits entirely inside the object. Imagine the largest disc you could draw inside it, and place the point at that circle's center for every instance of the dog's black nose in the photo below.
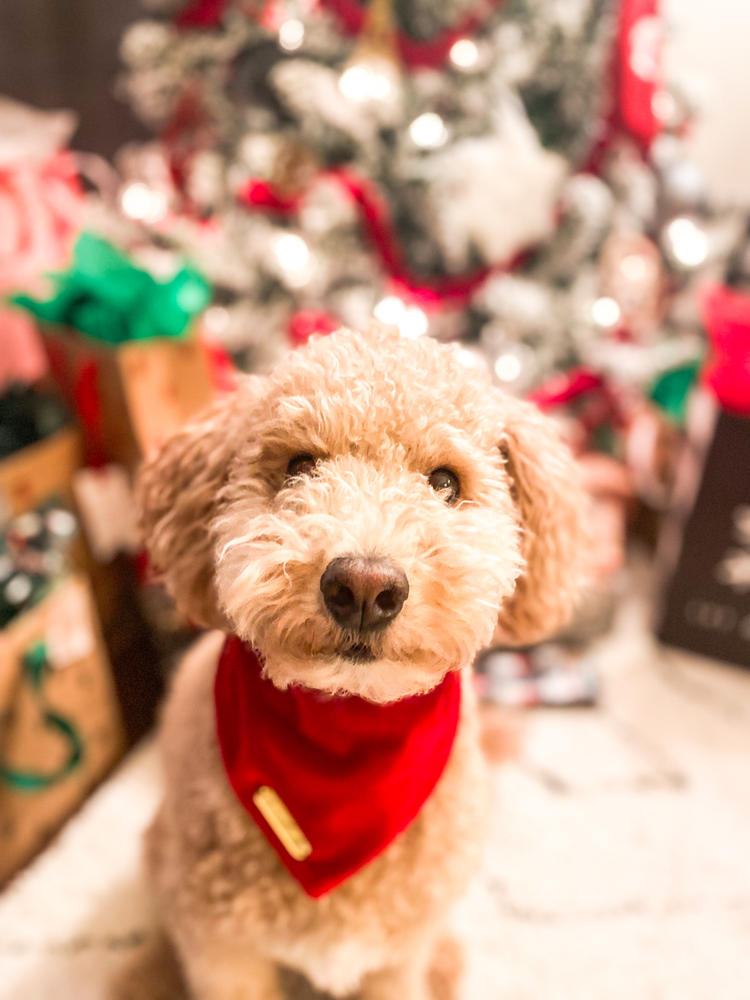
(362, 593)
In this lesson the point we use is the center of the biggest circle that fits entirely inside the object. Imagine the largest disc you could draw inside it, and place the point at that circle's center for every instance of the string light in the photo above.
(428, 131)
(144, 203)
(411, 321)
(389, 310)
(605, 312)
(687, 242)
(508, 367)
(634, 267)
(365, 81)
(646, 41)
(291, 34)
(293, 257)
(471, 359)
(464, 53)
(215, 320)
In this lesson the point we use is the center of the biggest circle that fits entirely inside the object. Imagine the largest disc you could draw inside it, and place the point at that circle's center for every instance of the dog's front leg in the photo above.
(231, 976)
(407, 981)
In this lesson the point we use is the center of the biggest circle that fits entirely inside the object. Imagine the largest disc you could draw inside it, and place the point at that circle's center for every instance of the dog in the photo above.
(362, 521)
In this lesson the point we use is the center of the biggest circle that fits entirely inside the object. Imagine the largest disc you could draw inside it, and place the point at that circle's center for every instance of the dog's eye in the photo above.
(301, 465)
(445, 481)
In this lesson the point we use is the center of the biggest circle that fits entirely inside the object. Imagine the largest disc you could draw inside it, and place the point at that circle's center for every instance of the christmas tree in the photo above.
(507, 174)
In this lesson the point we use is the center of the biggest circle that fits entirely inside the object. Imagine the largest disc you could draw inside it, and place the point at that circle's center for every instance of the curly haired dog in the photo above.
(453, 512)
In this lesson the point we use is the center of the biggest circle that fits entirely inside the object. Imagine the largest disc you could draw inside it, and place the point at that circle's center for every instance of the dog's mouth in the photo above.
(360, 652)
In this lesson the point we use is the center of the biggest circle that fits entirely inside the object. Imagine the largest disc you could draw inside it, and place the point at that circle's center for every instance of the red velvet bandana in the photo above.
(330, 781)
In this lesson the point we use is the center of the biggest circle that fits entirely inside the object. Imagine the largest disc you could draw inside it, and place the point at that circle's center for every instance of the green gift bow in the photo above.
(105, 296)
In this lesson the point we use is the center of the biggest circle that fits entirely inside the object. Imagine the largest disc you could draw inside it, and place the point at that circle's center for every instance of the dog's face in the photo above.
(366, 515)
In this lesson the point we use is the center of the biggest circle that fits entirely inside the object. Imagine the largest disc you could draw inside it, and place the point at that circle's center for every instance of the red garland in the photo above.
(373, 210)
(426, 53)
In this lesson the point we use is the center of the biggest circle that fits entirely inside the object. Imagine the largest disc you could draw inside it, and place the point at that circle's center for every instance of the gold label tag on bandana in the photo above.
(283, 824)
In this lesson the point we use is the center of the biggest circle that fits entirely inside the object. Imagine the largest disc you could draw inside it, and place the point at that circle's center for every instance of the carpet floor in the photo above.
(619, 866)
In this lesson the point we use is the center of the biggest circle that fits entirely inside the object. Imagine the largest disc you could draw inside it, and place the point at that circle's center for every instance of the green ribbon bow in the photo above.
(105, 296)
(671, 390)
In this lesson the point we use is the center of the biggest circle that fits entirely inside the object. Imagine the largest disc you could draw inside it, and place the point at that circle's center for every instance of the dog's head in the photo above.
(367, 516)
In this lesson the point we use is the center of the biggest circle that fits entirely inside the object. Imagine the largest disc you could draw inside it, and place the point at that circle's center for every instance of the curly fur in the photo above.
(243, 547)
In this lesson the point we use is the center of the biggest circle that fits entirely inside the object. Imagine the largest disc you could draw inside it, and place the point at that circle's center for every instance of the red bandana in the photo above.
(329, 781)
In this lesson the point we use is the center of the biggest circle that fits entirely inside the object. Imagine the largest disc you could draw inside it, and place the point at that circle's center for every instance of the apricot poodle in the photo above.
(366, 518)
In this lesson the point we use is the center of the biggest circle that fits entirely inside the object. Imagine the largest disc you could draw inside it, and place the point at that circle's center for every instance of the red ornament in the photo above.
(632, 273)
(726, 314)
(640, 41)
(637, 77)
(307, 322)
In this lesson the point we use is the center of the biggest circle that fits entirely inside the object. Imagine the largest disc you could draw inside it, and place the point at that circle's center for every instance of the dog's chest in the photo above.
(388, 904)
(230, 877)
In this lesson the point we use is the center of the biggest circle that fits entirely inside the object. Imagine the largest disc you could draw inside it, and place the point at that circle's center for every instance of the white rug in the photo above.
(619, 867)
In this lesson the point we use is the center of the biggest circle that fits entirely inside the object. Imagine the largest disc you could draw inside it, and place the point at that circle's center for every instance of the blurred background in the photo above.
(191, 188)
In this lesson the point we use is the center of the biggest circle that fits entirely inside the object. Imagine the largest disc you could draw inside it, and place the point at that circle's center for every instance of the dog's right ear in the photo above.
(176, 493)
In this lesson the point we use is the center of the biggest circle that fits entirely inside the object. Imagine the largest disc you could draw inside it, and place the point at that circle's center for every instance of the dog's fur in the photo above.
(242, 548)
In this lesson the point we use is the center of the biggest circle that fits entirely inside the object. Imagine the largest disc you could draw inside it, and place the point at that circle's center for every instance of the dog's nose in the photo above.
(362, 593)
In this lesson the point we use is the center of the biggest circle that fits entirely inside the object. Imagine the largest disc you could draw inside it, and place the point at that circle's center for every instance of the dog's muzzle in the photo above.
(363, 594)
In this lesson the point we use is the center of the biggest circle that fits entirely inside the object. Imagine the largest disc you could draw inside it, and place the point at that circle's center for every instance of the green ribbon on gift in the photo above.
(105, 296)
(671, 390)
(36, 667)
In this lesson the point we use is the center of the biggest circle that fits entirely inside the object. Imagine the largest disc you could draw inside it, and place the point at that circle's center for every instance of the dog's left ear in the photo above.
(551, 506)
(177, 491)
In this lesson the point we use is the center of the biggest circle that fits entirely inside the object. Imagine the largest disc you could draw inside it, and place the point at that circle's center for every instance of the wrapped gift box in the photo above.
(42, 470)
(60, 725)
(123, 348)
(706, 541)
(129, 397)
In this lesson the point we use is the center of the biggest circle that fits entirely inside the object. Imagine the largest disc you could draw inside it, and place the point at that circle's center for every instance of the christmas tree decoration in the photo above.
(632, 275)
(685, 243)
(473, 198)
(509, 175)
(371, 77)
(464, 54)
